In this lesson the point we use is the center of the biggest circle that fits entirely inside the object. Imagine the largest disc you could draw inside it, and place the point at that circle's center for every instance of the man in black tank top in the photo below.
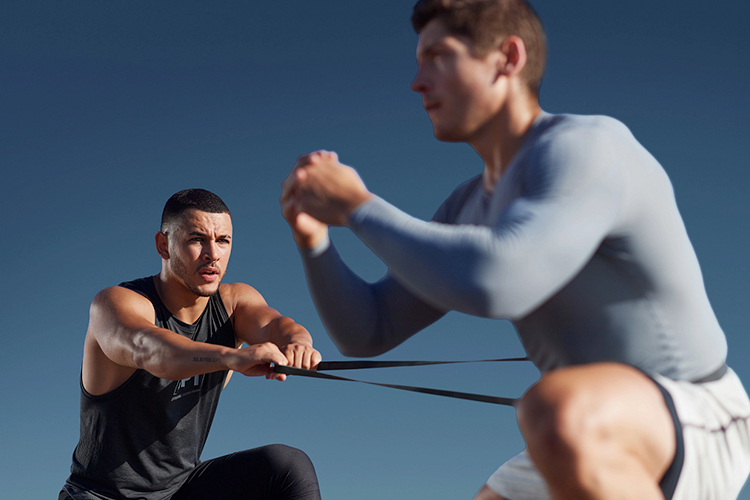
(158, 352)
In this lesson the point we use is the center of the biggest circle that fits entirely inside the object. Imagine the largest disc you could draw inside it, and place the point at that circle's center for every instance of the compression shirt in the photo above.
(580, 245)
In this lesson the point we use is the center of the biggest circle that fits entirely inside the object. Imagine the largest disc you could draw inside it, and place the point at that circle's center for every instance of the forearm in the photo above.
(362, 319)
(170, 356)
(283, 331)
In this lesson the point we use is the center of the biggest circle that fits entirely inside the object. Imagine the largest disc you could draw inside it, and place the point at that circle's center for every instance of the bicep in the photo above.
(109, 349)
(540, 245)
(118, 320)
(250, 313)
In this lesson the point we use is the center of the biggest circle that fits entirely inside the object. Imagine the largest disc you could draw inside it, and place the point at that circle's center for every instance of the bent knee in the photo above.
(571, 406)
(283, 457)
(551, 417)
(292, 473)
(575, 413)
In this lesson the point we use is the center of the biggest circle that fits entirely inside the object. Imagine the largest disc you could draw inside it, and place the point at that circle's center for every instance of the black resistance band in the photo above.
(357, 365)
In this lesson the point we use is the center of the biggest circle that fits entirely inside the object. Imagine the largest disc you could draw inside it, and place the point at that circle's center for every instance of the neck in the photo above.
(501, 138)
(179, 300)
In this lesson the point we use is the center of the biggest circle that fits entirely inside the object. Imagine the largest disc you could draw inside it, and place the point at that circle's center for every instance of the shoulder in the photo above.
(247, 309)
(580, 133)
(578, 145)
(240, 295)
(120, 300)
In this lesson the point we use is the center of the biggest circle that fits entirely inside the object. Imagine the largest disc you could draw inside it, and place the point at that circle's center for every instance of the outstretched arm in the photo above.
(257, 323)
(122, 338)
(573, 197)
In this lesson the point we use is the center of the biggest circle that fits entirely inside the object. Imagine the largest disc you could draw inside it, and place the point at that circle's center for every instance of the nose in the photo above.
(211, 251)
(419, 84)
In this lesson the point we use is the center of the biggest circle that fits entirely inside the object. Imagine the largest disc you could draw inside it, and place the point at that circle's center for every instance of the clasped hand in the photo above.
(255, 360)
(320, 191)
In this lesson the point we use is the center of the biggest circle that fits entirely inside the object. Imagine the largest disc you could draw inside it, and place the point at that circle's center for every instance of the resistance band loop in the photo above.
(354, 365)
(358, 365)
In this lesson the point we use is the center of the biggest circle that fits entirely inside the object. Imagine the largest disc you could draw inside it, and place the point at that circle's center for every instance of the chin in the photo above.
(448, 135)
(206, 289)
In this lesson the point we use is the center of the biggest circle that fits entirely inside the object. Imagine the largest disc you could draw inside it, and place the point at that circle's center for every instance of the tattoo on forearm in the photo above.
(206, 360)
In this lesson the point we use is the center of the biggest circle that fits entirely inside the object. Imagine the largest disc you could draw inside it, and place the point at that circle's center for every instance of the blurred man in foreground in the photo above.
(571, 232)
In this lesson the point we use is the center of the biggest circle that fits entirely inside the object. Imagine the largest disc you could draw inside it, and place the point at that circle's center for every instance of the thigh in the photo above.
(599, 413)
(273, 472)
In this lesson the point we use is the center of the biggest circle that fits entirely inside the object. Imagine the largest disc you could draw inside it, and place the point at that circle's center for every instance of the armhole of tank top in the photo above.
(225, 316)
(114, 391)
(127, 381)
(222, 307)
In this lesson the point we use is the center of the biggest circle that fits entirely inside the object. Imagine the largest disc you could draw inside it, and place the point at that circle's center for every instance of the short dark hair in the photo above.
(488, 22)
(195, 199)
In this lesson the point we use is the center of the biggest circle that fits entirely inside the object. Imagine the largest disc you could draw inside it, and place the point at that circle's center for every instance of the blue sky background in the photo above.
(109, 107)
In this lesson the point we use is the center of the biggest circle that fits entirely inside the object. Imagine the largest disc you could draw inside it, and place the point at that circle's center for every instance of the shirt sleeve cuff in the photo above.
(316, 250)
(372, 206)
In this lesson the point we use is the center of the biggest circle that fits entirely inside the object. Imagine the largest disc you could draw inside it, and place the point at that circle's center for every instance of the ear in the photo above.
(515, 57)
(162, 245)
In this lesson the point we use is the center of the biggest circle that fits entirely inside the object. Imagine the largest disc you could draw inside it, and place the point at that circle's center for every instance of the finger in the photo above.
(307, 358)
(315, 360)
(302, 161)
(309, 159)
(304, 359)
(317, 157)
(295, 356)
(289, 209)
(288, 184)
(300, 176)
(271, 375)
(329, 156)
(274, 354)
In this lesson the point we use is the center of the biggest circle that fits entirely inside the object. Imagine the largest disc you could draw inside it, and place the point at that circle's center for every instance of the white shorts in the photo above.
(712, 460)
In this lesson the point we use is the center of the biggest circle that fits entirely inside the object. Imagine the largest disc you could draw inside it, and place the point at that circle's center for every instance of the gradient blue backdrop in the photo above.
(109, 107)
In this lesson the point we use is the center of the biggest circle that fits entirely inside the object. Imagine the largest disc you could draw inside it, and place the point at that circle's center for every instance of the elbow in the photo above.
(361, 345)
(487, 301)
(358, 350)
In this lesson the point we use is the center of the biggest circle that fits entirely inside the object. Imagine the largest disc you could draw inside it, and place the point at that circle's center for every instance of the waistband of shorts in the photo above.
(713, 376)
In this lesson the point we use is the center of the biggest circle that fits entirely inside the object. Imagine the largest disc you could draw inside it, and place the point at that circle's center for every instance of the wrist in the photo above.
(310, 241)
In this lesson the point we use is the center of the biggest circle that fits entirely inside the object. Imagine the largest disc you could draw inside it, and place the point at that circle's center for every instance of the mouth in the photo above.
(430, 105)
(209, 273)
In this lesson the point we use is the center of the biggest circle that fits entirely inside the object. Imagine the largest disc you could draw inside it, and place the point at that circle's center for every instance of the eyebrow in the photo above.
(199, 233)
(431, 48)
(424, 50)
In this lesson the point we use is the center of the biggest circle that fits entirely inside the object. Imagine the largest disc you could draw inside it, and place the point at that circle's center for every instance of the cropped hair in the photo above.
(196, 199)
(486, 23)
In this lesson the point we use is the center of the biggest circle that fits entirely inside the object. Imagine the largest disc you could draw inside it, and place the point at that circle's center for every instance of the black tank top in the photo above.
(142, 439)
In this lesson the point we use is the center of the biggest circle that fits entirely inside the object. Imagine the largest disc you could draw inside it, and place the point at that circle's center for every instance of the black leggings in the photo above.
(273, 472)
